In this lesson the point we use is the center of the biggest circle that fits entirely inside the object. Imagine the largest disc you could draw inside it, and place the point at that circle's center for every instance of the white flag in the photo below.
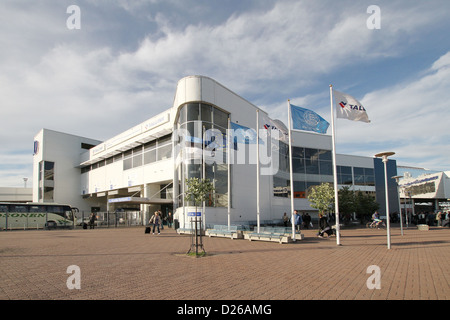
(275, 128)
(348, 107)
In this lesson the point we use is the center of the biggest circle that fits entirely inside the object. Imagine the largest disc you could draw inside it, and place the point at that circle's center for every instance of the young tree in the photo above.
(321, 197)
(197, 191)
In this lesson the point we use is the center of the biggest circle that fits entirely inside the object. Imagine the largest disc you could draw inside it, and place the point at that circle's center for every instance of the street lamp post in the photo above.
(384, 156)
(397, 179)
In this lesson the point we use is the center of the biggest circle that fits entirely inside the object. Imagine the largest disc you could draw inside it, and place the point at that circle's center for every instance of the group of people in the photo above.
(300, 221)
(157, 220)
(440, 218)
(304, 220)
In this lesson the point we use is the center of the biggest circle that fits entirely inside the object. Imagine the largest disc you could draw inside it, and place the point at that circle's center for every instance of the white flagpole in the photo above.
(336, 203)
(204, 173)
(229, 171)
(291, 174)
(257, 171)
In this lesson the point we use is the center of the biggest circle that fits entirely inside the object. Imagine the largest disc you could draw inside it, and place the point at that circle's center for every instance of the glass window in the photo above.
(326, 168)
(298, 165)
(345, 170)
(55, 209)
(312, 154)
(165, 139)
(137, 157)
(150, 156)
(37, 208)
(3, 208)
(182, 115)
(19, 208)
(150, 145)
(164, 152)
(193, 112)
(137, 160)
(49, 168)
(48, 194)
(298, 152)
(127, 163)
(369, 180)
(345, 179)
(325, 155)
(220, 118)
(312, 166)
(206, 112)
(280, 187)
(194, 171)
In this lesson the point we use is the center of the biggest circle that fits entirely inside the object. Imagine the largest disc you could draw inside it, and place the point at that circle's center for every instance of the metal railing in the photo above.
(110, 219)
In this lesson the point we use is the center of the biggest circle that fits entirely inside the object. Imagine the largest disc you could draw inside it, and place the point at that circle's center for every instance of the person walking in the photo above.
(447, 220)
(307, 221)
(439, 219)
(169, 220)
(298, 220)
(92, 219)
(156, 220)
(285, 219)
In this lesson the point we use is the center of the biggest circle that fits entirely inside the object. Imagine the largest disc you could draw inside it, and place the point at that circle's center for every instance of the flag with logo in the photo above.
(347, 107)
(308, 120)
(275, 128)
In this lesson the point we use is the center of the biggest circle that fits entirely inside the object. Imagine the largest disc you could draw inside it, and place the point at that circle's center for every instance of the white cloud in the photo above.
(411, 118)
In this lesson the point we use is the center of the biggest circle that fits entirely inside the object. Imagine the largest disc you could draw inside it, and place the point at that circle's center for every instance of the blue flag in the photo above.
(242, 134)
(304, 119)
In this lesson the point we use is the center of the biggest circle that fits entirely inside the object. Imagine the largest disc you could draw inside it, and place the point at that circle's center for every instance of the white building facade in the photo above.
(208, 132)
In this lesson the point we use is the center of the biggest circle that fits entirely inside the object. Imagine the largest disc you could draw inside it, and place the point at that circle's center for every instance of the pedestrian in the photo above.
(92, 219)
(307, 221)
(161, 219)
(156, 220)
(324, 227)
(439, 219)
(298, 220)
(447, 220)
(169, 220)
(285, 219)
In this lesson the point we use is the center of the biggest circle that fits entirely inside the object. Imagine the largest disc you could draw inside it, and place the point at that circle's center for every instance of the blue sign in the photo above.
(193, 214)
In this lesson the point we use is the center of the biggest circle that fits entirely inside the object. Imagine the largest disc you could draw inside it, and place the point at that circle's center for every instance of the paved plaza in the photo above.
(125, 263)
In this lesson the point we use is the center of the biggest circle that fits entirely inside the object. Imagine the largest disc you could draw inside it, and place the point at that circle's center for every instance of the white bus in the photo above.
(35, 215)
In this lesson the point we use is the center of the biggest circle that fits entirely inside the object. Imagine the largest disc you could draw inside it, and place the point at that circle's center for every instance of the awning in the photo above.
(139, 200)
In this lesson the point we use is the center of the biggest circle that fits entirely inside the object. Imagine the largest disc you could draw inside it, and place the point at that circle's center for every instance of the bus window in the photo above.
(19, 208)
(3, 208)
(55, 209)
(37, 208)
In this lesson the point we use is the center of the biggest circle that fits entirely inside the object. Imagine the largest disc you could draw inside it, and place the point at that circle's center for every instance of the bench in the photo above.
(231, 232)
(276, 234)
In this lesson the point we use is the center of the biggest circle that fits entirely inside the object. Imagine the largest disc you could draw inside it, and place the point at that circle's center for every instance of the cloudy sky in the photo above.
(122, 65)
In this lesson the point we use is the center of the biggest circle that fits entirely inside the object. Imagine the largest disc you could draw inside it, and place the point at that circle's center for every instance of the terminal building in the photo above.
(423, 190)
(145, 167)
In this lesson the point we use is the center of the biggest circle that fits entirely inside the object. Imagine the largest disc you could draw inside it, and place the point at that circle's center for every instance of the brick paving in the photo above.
(127, 264)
